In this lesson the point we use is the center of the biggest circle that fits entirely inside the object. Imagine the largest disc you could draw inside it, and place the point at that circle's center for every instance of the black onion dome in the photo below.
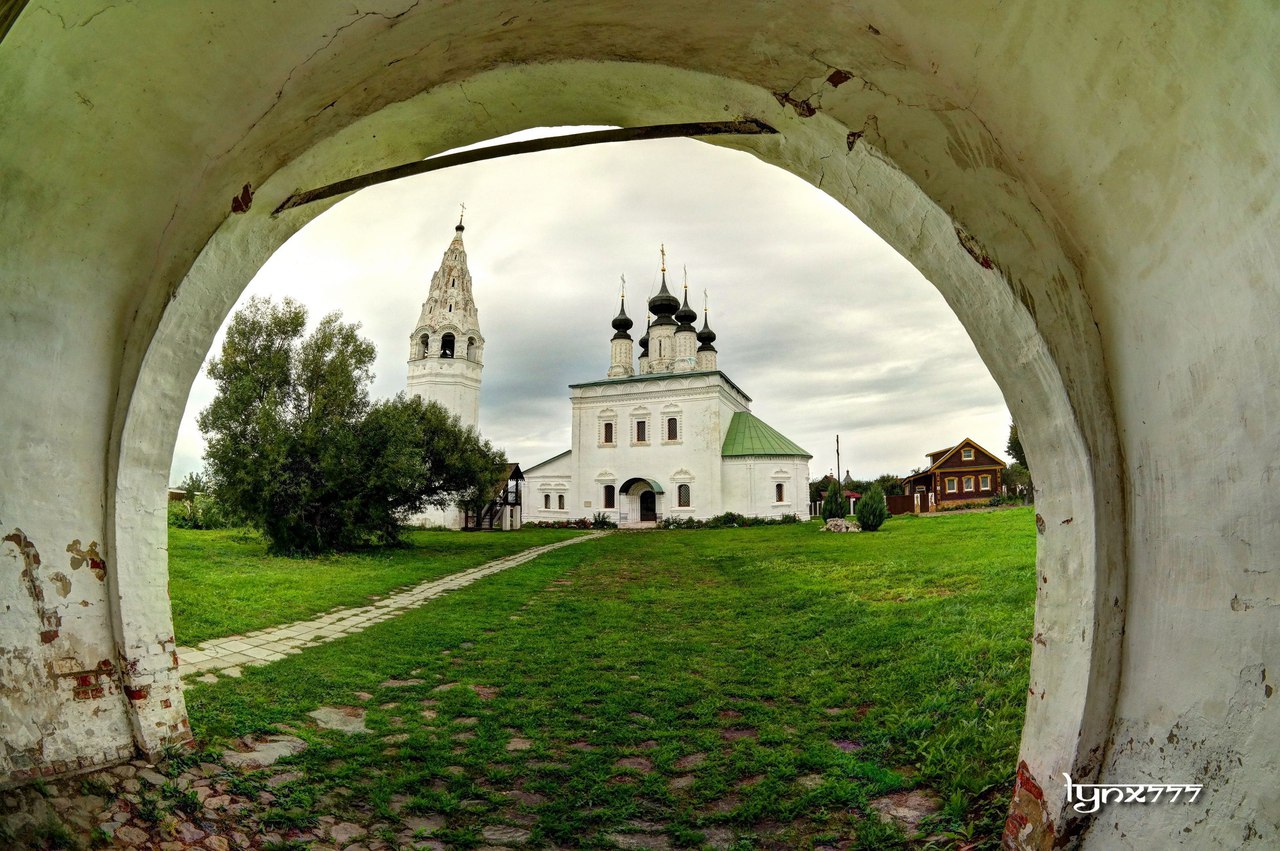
(706, 337)
(622, 323)
(664, 303)
(644, 342)
(686, 315)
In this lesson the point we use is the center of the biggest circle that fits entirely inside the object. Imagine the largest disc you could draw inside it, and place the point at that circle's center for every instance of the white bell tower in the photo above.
(446, 351)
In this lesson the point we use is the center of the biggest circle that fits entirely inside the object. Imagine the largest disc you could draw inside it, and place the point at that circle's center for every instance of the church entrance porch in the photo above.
(639, 503)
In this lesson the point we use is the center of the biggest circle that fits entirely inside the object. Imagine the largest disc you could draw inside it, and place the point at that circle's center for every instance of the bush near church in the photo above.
(871, 510)
(834, 506)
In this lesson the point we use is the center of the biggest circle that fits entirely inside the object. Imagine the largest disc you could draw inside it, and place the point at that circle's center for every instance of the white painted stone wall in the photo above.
(1092, 188)
(453, 382)
(750, 485)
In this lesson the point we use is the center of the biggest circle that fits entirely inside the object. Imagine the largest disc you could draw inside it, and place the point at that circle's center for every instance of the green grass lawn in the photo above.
(761, 684)
(223, 582)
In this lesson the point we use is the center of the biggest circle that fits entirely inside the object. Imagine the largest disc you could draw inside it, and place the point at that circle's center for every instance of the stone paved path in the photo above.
(227, 655)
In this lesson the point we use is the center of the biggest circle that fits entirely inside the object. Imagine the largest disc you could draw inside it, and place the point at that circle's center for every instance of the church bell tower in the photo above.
(446, 351)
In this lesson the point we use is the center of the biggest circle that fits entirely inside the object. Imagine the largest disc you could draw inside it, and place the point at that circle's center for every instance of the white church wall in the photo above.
(544, 485)
(751, 483)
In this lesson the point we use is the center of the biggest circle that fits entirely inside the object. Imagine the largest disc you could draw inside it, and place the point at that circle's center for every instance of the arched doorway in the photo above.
(648, 506)
(640, 500)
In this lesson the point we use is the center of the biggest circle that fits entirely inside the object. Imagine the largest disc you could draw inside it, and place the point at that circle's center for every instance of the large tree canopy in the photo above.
(297, 448)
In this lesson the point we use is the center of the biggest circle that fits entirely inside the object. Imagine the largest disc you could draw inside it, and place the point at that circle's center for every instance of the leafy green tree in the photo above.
(889, 483)
(834, 504)
(871, 510)
(195, 482)
(1017, 480)
(297, 448)
(1014, 446)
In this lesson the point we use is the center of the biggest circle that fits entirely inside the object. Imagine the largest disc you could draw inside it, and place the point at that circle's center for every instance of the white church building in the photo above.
(667, 434)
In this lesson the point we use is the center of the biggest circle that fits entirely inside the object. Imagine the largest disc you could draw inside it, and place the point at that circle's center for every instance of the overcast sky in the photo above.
(822, 324)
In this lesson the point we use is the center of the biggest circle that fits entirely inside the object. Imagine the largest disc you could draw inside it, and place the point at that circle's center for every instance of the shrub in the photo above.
(833, 504)
(200, 511)
(728, 520)
(600, 520)
(871, 510)
(580, 523)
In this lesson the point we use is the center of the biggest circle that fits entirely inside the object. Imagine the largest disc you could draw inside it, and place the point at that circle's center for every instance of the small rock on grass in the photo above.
(347, 719)
(907, 809)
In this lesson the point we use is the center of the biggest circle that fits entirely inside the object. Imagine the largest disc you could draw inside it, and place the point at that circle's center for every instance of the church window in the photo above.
(683, 498)
(779, 492)
(966, 454)
(673, 428)
(546, 500)
(446, 346)
(951, 484)
(451, 308)
(608, 433)
(560, 501)
(968, 483)
(642, 431)
(471, 348)
(610, 501)
(425, 342)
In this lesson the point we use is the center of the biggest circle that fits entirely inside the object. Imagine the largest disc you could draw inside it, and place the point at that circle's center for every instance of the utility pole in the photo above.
(838, 480)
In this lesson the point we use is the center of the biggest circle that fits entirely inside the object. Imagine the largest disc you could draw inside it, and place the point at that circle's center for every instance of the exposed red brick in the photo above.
(137, 693)
(1028, 827)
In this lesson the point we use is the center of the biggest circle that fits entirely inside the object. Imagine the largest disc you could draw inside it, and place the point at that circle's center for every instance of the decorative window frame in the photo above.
(684, 495)
(968, 484)
(641, 415)
(951, 485)
(675, 412)
(984, 482)
(966, 454)
(781, 476)
(606, 417)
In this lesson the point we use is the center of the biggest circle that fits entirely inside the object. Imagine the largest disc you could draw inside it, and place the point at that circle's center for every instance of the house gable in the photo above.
(954, 458)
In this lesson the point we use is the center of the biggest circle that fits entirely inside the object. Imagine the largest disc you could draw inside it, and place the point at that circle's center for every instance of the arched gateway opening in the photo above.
(932, 132)
(1060, 732)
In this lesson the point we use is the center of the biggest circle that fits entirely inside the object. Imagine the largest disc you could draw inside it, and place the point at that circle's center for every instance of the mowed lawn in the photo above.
(745, 688)
(222, 582)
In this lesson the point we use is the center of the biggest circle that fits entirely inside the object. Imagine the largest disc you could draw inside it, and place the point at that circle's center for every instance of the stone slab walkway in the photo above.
(227, 655)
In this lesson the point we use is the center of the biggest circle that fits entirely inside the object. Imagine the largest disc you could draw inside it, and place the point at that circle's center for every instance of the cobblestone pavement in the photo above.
(228, 655)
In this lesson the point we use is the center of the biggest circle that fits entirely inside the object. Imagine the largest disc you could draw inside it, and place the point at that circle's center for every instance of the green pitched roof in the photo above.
(750, 435)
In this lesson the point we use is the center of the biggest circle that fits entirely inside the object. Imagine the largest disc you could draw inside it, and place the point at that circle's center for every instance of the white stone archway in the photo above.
(1075, 184)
